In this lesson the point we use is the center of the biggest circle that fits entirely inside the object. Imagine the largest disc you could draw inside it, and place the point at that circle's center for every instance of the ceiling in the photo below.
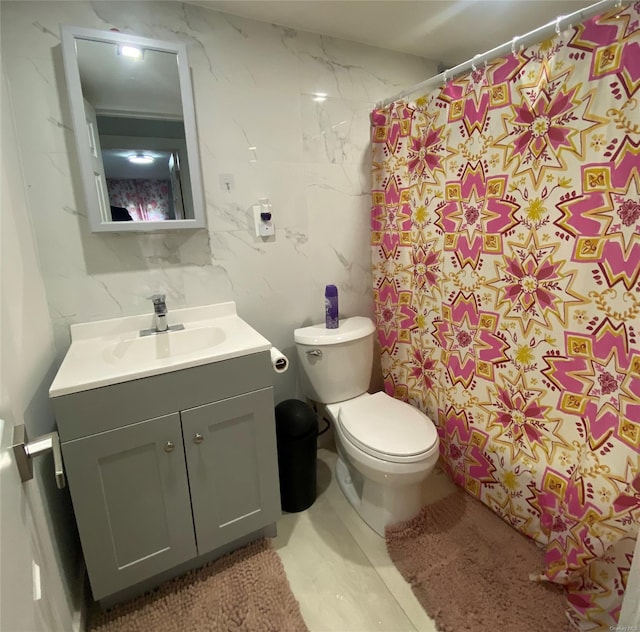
(449, 31)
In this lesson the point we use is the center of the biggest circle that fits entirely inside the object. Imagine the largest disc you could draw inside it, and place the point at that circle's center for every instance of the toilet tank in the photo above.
(335, 364)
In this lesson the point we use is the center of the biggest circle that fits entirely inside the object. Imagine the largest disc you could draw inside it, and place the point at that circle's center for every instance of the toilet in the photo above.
(386, 447)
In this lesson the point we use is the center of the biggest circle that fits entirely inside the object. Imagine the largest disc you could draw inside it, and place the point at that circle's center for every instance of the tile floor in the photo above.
(338, 567)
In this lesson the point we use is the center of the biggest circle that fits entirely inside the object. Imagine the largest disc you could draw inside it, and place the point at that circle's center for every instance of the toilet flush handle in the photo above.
(316, 353)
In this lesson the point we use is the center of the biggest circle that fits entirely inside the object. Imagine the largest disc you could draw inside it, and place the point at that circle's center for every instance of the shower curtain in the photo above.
(145, 199)
(506, 255)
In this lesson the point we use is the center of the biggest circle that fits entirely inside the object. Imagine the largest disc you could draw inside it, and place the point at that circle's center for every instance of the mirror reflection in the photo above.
(143, 185)
(135, 130)
(134, 96)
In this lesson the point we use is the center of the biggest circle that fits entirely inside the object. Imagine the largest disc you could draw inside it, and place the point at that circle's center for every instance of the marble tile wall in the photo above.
(254, 86)
(36, 524)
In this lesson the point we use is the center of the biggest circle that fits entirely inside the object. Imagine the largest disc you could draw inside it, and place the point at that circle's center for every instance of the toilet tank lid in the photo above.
(352, 328)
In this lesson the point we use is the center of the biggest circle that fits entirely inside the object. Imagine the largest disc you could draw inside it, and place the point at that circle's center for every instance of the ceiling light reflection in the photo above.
(141, 159)
(130, 51)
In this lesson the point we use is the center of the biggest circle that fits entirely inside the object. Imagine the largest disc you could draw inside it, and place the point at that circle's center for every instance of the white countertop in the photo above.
(111, 351)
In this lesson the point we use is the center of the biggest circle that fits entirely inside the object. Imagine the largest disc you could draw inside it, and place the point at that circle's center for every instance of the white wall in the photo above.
(253, 85)
(36, 518)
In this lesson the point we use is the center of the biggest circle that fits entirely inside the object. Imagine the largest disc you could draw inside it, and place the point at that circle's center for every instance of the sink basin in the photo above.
(112, 351)
(166, 345)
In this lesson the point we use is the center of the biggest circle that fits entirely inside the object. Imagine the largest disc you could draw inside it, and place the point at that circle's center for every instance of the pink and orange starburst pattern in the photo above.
(506, 250)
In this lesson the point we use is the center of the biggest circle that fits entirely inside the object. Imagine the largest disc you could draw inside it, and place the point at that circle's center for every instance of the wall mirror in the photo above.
(134, 122)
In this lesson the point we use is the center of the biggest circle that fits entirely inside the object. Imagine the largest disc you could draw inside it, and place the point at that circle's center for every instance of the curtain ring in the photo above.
(473, 62)
(558, 25)
(513, 45)
(444, 76)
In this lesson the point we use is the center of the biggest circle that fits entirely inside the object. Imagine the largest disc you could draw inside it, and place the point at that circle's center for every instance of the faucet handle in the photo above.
(159, 304)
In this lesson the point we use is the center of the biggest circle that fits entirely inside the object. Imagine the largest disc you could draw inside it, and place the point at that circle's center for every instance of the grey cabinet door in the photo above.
(131, 499)
(230, 448)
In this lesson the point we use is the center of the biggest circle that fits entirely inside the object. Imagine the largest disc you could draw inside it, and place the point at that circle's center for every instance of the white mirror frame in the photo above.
(74, 88)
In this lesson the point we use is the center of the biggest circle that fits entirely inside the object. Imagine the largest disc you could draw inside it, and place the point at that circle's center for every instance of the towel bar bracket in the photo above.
(24, 451)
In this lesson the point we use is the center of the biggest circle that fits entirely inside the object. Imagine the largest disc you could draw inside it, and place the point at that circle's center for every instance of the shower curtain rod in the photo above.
(537, 35)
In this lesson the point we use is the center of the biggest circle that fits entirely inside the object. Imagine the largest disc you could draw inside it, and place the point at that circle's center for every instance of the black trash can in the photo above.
(297, 433)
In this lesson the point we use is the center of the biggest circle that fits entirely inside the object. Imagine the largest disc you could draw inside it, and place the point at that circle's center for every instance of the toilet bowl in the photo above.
(386, 448)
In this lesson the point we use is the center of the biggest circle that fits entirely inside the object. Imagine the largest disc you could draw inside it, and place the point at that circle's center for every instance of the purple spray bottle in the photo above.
(331, 307)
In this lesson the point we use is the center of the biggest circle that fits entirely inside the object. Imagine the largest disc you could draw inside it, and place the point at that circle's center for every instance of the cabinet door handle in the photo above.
(198, 438)
(169, 447)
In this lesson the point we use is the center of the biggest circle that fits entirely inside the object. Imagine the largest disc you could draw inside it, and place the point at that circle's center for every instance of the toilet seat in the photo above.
(388, 428)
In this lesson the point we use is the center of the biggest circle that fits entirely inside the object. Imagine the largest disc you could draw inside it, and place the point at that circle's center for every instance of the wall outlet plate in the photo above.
(264, 228)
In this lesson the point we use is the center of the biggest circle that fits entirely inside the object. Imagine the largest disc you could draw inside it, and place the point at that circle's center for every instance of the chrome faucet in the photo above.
(160, 312)
(160, 317)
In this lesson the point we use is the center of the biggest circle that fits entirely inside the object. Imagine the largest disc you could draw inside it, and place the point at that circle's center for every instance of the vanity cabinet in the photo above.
(232, 475)
(197, 474)
(131, 501)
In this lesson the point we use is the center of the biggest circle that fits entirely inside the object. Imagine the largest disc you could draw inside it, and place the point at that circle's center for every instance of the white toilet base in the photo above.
(377, 504)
